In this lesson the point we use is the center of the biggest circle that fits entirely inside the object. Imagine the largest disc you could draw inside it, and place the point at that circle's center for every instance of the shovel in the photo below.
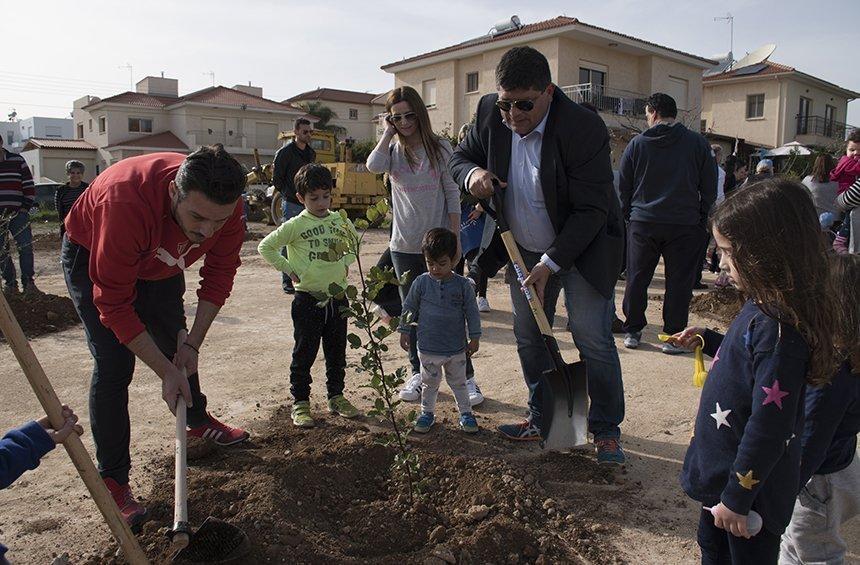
(564, 422)
(215, 541)
(77, 452)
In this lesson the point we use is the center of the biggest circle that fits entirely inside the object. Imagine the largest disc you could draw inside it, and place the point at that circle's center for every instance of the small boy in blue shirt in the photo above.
(22, 448)
(441, 304)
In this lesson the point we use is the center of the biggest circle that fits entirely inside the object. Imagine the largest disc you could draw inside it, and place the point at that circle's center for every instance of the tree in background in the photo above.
(324, 114)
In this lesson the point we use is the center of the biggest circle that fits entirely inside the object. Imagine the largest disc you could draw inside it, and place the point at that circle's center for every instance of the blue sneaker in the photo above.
(609, 451)
(524, 431)
(468, 423)
(424, 422)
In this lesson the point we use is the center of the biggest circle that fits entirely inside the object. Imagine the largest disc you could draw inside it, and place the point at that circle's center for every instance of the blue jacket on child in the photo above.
(832, 424)
(441, 309)
(20, 450)
(746, 447)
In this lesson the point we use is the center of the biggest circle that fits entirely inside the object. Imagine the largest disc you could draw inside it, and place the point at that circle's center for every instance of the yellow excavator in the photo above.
(355, 188)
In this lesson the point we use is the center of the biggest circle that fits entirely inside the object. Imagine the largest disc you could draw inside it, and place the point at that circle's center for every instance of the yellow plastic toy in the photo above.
(699, 372)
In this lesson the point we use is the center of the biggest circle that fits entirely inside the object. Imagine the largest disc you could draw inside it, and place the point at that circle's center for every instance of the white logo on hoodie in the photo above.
(171, 261)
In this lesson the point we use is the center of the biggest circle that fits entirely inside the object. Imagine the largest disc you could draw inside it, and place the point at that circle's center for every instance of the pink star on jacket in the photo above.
(774, 394)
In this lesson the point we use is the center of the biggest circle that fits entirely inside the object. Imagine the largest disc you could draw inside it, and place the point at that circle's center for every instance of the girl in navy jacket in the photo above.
(745, 451)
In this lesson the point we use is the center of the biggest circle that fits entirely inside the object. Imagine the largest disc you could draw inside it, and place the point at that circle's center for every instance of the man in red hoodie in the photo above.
(128, 240)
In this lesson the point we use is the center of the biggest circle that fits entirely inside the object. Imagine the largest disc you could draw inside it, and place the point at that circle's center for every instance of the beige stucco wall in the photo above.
(725, 110)
(622, 69)
(820, 97)
(51, 163)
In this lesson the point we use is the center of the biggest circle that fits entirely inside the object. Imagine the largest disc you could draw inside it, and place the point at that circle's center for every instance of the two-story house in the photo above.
(156, 118)
(354, 111)
(770, 104)
(613, 71)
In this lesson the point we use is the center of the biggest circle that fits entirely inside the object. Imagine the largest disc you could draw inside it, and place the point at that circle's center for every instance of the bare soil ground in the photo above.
(323, 495)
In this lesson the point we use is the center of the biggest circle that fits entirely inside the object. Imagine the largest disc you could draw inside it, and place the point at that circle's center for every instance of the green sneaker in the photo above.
(342, 406)
(301, 414)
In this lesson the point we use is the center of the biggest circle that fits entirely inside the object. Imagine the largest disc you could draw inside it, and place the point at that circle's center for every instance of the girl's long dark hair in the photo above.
(846, 289)
(783, 264)
(429, 140)
(821, 168)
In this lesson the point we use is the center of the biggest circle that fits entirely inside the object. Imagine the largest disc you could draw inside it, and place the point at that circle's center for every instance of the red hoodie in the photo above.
(846, 172)
(124, 220)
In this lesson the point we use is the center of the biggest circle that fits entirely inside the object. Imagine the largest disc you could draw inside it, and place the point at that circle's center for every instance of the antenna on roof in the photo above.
(212, 76)
(511, 24)
(760, 55)
(731, 20)
(130, 74)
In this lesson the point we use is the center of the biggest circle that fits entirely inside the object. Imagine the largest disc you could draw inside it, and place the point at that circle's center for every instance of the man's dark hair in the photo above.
(523, 68)
(663, 104)
(854, 135)
(212, 171)
(438, 243)
(311, 177)
(301, 122)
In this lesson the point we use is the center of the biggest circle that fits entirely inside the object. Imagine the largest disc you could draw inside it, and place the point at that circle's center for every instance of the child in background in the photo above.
(846, 173)
(306, 237)
(829, 467)
(22, 448)
(441, 303)
(745, 453)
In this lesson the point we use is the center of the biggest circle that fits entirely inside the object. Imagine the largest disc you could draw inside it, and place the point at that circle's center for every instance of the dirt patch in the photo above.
(326, 495)
(41, 525)
(41, 313)
(722, 304)
(47, 241)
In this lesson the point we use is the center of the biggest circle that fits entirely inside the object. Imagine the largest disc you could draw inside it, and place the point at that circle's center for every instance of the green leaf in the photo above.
(372, 214)
(354, 341)
(351, 292)
(334, 289)
(361, 224)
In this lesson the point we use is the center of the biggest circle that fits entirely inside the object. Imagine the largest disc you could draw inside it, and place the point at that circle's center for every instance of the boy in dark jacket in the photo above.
(22, 448)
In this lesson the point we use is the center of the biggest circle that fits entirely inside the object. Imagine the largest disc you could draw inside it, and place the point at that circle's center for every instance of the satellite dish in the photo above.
(760, 55)
(725, 61)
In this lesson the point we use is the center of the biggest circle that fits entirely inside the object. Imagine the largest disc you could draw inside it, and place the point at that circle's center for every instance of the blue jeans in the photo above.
(414, 263)
(19, 228)
(291, 210)
(591, 318)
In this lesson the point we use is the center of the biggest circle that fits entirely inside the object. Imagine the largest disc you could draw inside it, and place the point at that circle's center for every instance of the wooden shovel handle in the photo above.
(529, 291)
(74, 447)
(181, 537)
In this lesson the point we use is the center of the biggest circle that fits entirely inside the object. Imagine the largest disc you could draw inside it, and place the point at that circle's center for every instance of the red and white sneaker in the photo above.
(222, 434)
(133, 511)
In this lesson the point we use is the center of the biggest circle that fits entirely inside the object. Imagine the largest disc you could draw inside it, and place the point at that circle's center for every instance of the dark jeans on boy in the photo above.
(414, 263)
(19, 230)
(681, 248)
(312, 324)
(720, 547)
(159, 304)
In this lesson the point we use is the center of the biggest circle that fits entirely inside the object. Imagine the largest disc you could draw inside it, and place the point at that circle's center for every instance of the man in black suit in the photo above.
(551, 157)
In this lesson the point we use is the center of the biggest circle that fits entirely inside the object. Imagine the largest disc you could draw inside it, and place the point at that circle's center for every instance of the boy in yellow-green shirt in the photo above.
(308, 238)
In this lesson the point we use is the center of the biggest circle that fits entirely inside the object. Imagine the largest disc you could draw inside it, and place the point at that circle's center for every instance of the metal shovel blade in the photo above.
(215, 541)
(564, 424)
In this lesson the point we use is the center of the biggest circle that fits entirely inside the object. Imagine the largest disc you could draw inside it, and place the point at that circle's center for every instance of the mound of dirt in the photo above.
(326, 495)
(42, 313)
(47, 241)
(722, 304)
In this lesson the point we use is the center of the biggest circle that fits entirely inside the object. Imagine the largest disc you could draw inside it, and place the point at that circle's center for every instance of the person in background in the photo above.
(763, 171)
(17, 195)
(848, 169)
(823, 191)
(288, 160)
(68, 193)
(712, 265)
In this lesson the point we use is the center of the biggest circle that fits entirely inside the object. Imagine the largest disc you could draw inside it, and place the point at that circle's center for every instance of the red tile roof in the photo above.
(769, 69)
(216, 95)
(49, 143)
(334, 95)
(546, 25)
(163, 140)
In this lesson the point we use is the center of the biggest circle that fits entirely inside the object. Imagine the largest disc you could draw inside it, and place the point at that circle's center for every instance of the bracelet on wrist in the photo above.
(197, 351)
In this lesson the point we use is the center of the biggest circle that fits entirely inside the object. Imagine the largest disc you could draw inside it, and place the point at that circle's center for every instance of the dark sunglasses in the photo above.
(522, 105)
(397, 118)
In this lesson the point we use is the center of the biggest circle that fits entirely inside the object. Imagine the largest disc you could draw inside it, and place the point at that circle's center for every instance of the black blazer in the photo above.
(576, 179)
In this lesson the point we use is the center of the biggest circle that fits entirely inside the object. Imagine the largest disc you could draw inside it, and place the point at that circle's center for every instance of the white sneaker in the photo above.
(483, 304)
(411, 391)
(631, 340)
(475, 396)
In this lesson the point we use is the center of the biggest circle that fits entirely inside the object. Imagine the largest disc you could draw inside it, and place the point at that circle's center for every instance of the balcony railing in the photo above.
(822, 127)
(606, 99)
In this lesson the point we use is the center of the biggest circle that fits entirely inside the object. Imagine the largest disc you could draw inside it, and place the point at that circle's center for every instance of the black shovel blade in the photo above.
(564, 423)
(215, 541)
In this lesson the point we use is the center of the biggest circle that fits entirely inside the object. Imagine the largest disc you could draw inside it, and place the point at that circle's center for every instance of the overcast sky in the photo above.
(56, 51)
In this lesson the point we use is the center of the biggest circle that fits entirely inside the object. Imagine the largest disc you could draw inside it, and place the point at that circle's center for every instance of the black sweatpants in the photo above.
(720, 547)
(681, 248)
(312, 324)
(159, 305)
